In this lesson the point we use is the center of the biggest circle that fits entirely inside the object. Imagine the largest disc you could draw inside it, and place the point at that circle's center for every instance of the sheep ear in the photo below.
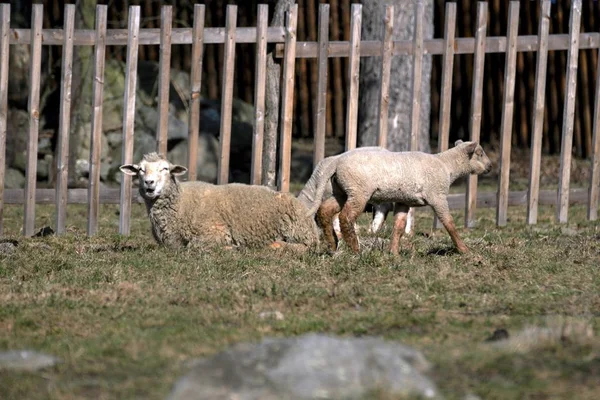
(458, 142)
(178, 170)
(471, 147)
(130, 169)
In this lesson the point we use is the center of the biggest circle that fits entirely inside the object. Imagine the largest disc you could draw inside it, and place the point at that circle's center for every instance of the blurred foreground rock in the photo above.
(26, 360)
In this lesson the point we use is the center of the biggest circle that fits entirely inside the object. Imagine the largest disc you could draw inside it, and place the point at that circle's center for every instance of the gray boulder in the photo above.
(13, 179)
(308, 367)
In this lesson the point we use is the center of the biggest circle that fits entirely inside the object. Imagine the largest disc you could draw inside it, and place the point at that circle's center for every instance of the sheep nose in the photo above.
(149, 182)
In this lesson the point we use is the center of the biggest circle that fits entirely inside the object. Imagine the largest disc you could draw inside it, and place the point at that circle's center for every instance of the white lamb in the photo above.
(409, 179)
(204, 215)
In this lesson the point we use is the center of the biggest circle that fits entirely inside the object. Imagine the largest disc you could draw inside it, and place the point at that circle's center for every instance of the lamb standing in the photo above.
(409, 179)
(204, 215)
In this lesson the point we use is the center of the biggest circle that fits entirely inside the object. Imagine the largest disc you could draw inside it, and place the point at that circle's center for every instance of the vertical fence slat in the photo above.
(129, 116)
(353, 75)
(227, 95)
(196, 81)
(259, 93)
(538, 113)
(415, 119)
(592, 211)
(64, 124)
(476, 104)
(562, 209)
(97, 107)
(510, 70)
(34, 118)
(446, 91)
(166, 22)
(4, 54)
(386, 68)
(321, 107)
(287, 99)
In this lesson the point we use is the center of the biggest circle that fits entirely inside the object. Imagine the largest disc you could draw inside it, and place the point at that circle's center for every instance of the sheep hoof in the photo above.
(463, 249)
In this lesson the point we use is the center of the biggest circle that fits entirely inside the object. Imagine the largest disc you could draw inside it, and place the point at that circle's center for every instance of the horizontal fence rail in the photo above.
(289, 49)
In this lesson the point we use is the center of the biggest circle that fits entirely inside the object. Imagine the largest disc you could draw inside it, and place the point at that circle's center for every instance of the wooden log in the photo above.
(64, 124)
(227, 96)
(415, 119)
(446, 91)
(196, 81)
(353, 75)
(568, 114)
(4, 56)
(386, 67)
(476, 104)
(259, 94)
(129, 117)
(537, 124)
(506, 125)
(164, 79)
(321, 107)
(287, 100)
(97, 107)
(592, 211)
(336, 75)
(34, 118)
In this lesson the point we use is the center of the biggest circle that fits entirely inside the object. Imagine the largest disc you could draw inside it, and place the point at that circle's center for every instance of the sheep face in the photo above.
(479, 162)
(154, 175)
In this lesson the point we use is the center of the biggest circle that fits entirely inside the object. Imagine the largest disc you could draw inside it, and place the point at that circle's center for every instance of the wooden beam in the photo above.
(164, 79)
(260, 88)
(321, 107)
(353, 75)
(4, 56)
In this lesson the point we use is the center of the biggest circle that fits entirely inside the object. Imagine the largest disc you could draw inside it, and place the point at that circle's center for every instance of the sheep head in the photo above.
(154, 173)
(479, 162)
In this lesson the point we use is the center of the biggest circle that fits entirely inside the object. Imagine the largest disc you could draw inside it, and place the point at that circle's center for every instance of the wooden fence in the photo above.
(290, 49)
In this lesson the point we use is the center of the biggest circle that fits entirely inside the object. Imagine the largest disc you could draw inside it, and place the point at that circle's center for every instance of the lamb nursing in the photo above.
(204, 215)
(409, 179)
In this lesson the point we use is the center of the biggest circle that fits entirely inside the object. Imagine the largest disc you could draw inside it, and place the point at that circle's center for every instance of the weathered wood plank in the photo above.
(227, 96)
(386, 68)
(510, 71)
(4, 56)
(196, 81)
(476, 104)
(64, 124)
(34, 118)
(353, 75)
(538, 113)
(592, 211)
(446, 92)
(97, 107)
(564, 176)
(415, 120)
(287, 100)
(321, 107)
(164, 78)
(260, 87)
(456, 201)
(129, 116)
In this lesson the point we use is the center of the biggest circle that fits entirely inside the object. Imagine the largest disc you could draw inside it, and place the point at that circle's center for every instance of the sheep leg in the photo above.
(442, 211)
(400, 216)
(350, 212)
(329, 208)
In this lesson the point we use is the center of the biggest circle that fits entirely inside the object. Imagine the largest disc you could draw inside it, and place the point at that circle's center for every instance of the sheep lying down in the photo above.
(408, 179)
(204, 215)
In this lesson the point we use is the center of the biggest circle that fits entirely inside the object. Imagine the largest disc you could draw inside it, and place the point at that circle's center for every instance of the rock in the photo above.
(14, 179)
(26, 360)
(308, 367)
(499, 334)
(43, 169)
(273, 315)
(82, 168)
(208, 147)
(17, 126)
(8, 247)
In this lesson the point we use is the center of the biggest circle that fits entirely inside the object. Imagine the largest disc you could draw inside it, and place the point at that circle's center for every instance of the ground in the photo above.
(126, 316)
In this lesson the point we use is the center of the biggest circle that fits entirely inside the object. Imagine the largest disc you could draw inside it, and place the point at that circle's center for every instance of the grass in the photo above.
(125, 316)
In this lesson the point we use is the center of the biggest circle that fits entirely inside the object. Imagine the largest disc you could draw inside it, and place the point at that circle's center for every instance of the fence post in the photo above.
(353, 75)
(260, 87)
(196, 78)
(227, 95)
(387, 50)
(592, 211)
(476, 104)
(129, 116)
(562, 209)
(37, 18)
(97, 107)
(321, 107)
(507, 111)
(4, 54)
(538, 114)
(162, 128)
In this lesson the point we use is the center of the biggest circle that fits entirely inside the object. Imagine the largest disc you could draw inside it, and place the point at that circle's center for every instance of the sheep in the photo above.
(307, 194)
(203, 215)
(409, 179)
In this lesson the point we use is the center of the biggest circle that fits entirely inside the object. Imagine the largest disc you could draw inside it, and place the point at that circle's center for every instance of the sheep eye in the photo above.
(165, 169)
